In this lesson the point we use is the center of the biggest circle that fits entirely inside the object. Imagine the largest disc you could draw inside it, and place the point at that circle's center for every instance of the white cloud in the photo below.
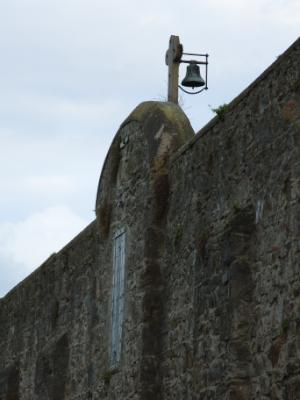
(30, 241)
(64, 107)
(57, 184)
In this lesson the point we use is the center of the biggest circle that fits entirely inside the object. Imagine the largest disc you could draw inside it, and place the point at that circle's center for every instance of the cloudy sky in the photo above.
(70, 73)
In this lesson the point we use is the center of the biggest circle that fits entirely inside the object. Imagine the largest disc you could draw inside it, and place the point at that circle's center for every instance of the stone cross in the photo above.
(173, 57)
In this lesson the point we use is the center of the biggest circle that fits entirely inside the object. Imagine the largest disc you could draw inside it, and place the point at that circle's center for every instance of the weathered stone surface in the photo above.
(51, 371)
(212, 279)
(9, 382)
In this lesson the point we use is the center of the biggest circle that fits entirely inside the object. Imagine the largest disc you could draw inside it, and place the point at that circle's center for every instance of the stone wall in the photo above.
(47, 321)
(211, 306)
(133, 194)
(232, 325)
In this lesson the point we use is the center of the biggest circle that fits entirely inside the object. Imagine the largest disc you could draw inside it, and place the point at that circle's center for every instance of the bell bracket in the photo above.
(173, 59)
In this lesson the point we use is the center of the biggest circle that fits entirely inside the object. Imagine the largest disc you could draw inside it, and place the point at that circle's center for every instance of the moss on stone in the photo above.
(296, 85)
(170, 112)
(285, 326)
(115, 157)
(104, 218)
(161, 194)
(178, 234)
(107, 375)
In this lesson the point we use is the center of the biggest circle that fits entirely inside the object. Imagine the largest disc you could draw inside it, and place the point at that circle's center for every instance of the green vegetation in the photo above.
(108, 375)
(221, 111)
(285, 326)
(178, 234)
(296, 85)
(237, 207)
(241, 260)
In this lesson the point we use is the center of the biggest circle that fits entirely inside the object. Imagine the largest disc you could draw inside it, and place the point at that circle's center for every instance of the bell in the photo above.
(193, 77)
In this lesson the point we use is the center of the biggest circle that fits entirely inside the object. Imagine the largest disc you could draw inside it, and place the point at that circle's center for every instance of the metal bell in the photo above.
(193, 78)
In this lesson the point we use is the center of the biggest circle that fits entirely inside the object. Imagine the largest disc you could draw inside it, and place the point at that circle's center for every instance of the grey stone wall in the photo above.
(47, 321)
(211, 306)
(133, 194)
(232, 252)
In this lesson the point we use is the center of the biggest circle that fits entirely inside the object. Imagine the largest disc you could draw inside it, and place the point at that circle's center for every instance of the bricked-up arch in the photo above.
(164, 128)
(133, 195)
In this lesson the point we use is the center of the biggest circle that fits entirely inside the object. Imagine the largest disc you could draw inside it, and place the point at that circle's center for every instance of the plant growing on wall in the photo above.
(221, 111)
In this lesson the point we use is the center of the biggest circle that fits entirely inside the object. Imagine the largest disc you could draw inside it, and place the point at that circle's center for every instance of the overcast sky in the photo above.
(70, 73)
